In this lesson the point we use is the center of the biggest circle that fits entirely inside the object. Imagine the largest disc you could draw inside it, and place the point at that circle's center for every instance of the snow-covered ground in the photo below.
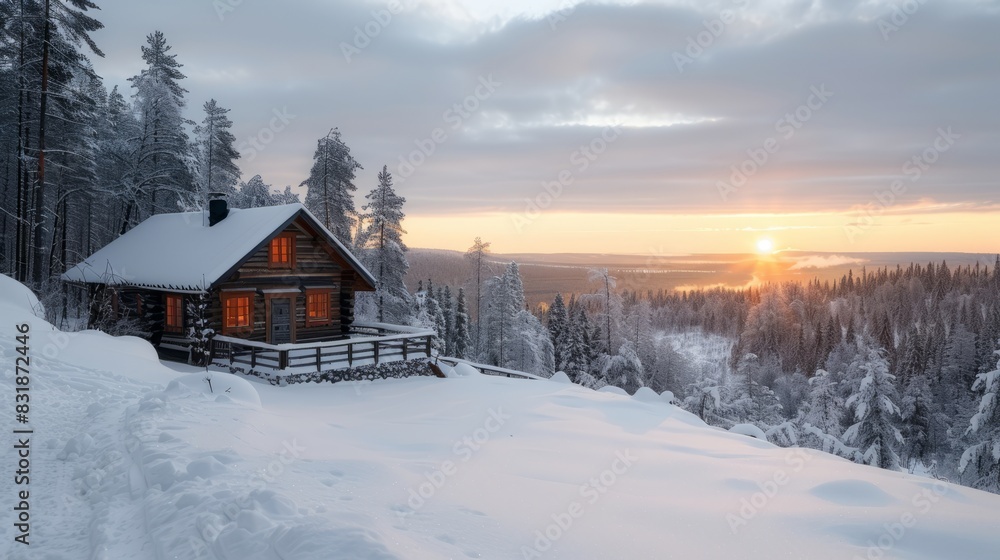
(132, 459)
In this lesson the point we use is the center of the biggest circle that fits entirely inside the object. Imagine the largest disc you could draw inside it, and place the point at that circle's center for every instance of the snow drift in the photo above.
(141, 461)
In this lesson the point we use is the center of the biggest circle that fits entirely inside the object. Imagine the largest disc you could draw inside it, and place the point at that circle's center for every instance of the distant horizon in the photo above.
(545, 274)
(704, 253)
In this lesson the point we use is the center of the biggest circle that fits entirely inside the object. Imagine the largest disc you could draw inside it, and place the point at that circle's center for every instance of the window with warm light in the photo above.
(317, 307)
(237, 312)
(174, 313)
(282, 251)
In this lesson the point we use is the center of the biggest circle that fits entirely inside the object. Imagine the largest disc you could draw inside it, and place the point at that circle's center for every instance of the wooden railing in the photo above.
(369, 343)
(489, 370)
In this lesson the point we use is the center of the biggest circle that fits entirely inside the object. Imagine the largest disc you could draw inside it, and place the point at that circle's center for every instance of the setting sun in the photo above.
(765, 246)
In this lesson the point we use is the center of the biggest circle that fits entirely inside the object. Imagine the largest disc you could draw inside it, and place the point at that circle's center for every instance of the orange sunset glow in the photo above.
(972, 232)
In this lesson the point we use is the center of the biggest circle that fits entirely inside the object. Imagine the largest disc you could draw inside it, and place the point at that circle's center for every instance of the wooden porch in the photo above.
(366, 344)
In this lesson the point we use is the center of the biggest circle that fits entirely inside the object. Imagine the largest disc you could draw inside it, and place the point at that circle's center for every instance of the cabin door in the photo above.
(281, 321)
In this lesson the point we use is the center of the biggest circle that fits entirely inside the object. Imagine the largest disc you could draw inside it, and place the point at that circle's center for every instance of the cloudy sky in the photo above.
(625, 127)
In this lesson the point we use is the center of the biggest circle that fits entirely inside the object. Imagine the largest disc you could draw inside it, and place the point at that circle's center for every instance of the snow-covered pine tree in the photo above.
(640, 332)
(593, 346)
(704, 399)
(162, 156)
(71, 178)
(980, 463)
(429, 314)
(558, 324)
(286, 196)
(426, 312)
(330, 194)
(624, 369)
(875, 433)
(478, 255)
(820, 425)
(611, 314)
(448, 310)
(792, 392)
(437, 307)
(254, 193)
(384, 252)
(574, 359)
(958, 373)
(200, 332)
(215, 163)
(825, 405)
(987, 338)
(917, 414)
(751, 401)
(505, 302)
(912, 360)
(63, 25)
(529, 348)
(671, 371)
(117, 172)
(463, 340)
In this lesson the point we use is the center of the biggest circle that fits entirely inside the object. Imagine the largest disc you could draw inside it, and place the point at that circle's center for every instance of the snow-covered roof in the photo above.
(181, 252)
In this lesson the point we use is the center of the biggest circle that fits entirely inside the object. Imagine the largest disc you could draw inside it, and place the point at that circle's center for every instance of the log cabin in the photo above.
(265, 282)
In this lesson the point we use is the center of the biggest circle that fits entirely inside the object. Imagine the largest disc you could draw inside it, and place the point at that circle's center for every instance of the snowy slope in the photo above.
(135, 460)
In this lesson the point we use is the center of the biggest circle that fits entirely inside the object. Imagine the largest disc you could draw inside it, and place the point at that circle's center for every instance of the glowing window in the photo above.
(282, 251)
(318, 306)
(175, 313)
(237, 312)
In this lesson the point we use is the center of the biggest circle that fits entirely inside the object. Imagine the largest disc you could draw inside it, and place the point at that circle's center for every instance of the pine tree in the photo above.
(161, 170)
(478, 255)
(575, 359)
(200, 332)
(448, 310)
(72, 174)
(875, 433)
(66, 23)
(623, 369)
(331, 186)
(384, 252)
(216, 167)
(825, 405)
(557, 325)
(980, 463)
(427, 314)
(49, 100)
(912, 361)
(611, 307)
(640, 326)
(117, 173)
(986, 340)
(705, 399)
(286, 196)
(463, 341)
(750, 401)
(255, 193)
(917, 413)
(529, 348)
(508, 326)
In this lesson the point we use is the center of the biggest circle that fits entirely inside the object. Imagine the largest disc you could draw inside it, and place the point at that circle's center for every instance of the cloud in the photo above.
(820, 261)
(683, 130)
